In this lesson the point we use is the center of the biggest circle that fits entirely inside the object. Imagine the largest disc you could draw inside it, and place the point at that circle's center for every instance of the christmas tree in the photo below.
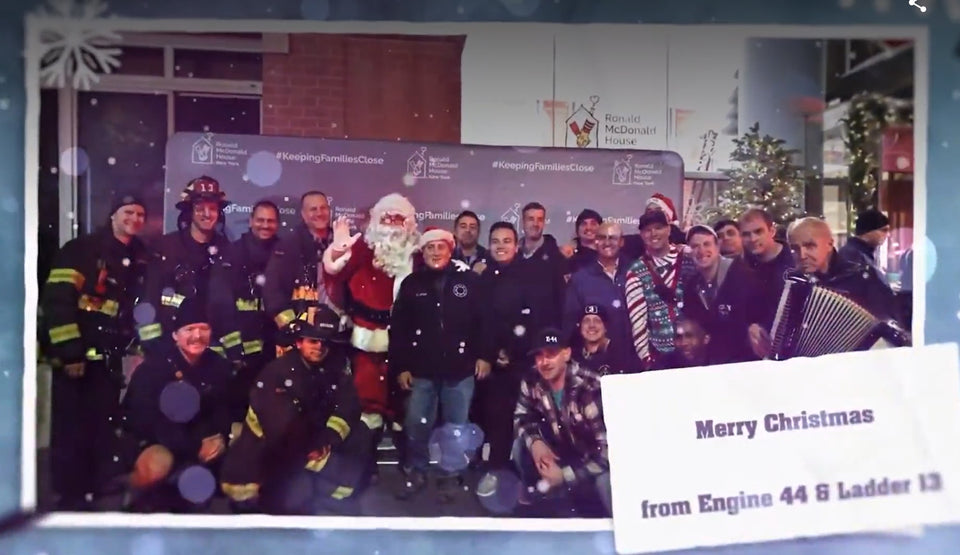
(766, 178)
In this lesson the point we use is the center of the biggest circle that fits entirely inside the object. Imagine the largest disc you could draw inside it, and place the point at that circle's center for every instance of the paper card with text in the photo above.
(762, 451)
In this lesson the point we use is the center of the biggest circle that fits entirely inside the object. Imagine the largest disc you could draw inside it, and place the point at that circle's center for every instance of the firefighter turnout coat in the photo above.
(303, 423)
(88, 298)
(180, 268)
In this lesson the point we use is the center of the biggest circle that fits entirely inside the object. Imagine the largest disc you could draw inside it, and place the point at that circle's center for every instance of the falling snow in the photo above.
(74, 161)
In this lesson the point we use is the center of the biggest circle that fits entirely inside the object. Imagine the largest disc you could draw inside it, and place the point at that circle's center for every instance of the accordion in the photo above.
(813, 320)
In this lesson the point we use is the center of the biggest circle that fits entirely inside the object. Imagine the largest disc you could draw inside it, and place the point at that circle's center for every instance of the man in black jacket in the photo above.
(769, 259)
(720, 296)
(872, 229)
(303, 448)
(542, 263)
(236, 302)
(507, 305)
(812, 242)
(176, 410)
(294, 278)
(584, 247)
(87, 306)
(183, 261)
(466, 231)
(440, 340)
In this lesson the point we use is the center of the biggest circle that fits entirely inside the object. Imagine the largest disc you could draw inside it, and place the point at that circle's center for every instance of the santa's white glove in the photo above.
(342, 240)
(460, 265)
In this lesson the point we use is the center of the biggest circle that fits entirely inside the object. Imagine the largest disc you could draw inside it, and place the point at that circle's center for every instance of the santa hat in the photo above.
(436, 234)
(666, 205)
(394, 203)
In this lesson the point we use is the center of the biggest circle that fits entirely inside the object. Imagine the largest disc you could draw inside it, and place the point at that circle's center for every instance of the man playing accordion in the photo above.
(828, 304)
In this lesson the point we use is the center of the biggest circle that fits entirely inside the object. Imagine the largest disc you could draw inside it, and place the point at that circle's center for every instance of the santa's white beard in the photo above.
(393, 248)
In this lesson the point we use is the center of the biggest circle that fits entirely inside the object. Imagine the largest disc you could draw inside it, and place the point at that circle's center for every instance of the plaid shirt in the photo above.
(576, 427)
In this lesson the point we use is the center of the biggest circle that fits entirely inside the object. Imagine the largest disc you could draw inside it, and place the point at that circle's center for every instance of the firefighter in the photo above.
(303, 449)
(87, 308)
(236, 307)
(183, 261)
(294, 282)
(176, 413)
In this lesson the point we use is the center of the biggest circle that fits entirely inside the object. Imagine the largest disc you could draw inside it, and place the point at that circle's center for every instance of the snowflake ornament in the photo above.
(73, 47)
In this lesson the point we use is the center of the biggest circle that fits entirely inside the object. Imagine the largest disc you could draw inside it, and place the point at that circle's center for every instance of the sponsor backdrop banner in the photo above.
(440, 180)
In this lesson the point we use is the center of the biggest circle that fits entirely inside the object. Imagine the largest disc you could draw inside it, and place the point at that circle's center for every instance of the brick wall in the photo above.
(364, 87)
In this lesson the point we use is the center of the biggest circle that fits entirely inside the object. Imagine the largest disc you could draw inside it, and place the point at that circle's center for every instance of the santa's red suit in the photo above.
(368, 293)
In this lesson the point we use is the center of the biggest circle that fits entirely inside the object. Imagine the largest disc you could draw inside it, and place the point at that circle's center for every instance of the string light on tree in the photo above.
(766, 178)
(869, 115)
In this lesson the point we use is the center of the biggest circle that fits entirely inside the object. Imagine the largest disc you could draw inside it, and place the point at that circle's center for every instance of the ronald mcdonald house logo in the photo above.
(209, 152)
(643, 172)
(588, 128)
(422, 165)
(583, 127)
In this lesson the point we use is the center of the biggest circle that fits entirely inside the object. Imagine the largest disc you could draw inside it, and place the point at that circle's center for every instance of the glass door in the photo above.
(124, 137)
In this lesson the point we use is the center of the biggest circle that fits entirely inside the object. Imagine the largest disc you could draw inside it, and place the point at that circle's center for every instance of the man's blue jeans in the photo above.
(452, 397)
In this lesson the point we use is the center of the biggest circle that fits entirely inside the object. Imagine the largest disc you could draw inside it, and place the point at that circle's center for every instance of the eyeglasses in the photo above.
(608, 237)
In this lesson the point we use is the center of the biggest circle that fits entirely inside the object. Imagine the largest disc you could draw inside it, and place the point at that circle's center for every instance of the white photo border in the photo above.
(919, 35)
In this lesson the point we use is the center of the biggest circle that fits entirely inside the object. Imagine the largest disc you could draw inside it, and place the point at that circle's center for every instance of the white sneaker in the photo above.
(488, 485)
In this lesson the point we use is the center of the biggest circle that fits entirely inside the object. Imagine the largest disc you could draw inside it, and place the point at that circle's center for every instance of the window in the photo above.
(140, 61)
(124, 136)
(166, 83)
(217, 114)
(207, 64)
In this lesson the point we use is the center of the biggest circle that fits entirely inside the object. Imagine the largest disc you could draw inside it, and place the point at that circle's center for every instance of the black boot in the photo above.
(414, 481)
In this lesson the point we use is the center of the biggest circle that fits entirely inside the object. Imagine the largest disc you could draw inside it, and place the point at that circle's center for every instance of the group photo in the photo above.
(382, 275)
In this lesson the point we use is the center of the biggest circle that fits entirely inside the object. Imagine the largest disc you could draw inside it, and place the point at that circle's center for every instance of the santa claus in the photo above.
(365, 275)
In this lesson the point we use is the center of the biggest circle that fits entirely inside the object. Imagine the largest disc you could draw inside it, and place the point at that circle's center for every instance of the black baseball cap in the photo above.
(652, 217)
(595, 309)
(548, 338)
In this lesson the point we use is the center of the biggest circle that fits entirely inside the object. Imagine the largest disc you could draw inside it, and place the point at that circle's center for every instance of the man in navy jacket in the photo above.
(602, 284)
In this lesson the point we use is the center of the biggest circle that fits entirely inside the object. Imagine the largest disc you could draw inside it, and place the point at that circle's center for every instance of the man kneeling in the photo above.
(177, 417)
(303, 449)
(561, 446)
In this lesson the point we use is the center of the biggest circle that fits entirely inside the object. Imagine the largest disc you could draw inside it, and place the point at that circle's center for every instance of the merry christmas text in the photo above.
(780, 422)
